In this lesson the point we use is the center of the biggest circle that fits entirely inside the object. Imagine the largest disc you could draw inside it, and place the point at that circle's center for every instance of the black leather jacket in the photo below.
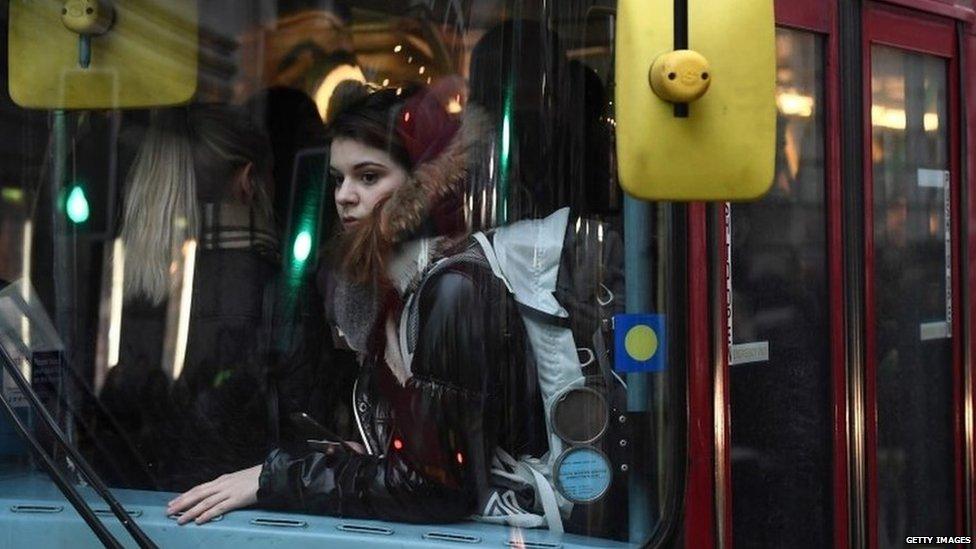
(430, 441)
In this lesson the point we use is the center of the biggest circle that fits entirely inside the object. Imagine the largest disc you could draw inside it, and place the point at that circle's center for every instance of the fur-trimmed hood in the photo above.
(440, 179)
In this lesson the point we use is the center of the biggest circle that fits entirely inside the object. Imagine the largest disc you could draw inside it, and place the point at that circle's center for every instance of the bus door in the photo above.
(913, 320)
(778, 325)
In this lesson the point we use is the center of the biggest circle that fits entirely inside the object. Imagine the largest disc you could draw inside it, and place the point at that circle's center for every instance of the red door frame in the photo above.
(933, 35)
(699, 517)
(946, 8)
(969, 401)
(822, 20)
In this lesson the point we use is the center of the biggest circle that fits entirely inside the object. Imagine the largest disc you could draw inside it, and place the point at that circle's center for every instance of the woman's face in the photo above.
(362, 176)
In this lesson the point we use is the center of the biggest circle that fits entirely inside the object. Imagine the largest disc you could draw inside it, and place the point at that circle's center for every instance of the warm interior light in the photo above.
(115, 303)
(332, 80)
(791, 103)
(186, 303)
(890, 118)
(896, 119)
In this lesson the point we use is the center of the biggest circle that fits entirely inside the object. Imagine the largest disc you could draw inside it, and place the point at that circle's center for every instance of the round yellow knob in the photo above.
(680, 76)
(90, 17)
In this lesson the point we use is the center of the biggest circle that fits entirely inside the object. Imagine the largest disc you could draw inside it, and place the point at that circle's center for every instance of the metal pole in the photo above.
(638, 232)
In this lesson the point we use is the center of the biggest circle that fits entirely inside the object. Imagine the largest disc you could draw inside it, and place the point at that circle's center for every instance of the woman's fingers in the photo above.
(203, 506)
(225, 506)
(219, 496)
(191, 497)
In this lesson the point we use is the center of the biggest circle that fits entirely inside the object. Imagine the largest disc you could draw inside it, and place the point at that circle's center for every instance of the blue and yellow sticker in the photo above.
(640, 343)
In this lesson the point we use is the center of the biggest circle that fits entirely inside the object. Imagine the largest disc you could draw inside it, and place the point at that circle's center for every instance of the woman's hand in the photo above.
(221, 495)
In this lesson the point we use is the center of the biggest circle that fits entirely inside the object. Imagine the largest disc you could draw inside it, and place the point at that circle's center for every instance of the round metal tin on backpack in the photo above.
(580, 415)
(582, 474)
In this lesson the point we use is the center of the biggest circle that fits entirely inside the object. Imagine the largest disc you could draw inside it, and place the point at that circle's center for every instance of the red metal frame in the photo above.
(722, 401)
(835, 257)
(955, 156)
(805, 15)
(946, 8)
(722, 404)
(699, 505)
(932, 35)
(969, 429)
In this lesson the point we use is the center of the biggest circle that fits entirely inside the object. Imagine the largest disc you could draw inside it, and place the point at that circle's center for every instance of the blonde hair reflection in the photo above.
(189, 155)
(160, 212)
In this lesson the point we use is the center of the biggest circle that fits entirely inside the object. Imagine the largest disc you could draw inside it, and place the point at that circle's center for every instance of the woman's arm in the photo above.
(438, 455)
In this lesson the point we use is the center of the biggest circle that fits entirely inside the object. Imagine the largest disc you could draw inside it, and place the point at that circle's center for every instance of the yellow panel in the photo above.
(147, 58)
(725, 149)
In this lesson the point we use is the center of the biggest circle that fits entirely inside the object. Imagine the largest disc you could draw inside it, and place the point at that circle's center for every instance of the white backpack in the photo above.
(526, 256)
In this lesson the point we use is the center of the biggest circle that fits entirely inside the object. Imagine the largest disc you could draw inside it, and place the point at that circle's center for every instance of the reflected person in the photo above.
(202, 175)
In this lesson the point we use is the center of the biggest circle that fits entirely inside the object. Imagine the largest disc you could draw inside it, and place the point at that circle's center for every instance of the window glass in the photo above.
(16, 247)
(781, 460)
(281, 278)
(913, 309)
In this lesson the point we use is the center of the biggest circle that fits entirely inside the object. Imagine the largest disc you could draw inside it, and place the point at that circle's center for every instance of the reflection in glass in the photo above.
(780, 371)
(180, 386)
(912, 309)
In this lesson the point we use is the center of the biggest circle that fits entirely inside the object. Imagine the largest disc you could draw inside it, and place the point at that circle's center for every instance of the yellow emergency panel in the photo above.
(146, 57)
(724, 149)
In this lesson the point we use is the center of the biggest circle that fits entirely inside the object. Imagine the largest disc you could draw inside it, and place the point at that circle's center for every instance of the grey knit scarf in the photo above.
(358, 306)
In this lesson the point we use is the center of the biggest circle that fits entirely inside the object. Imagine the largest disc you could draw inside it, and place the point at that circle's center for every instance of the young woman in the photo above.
(430, 411)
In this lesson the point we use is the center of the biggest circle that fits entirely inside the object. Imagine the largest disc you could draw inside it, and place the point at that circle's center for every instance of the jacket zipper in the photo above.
(359, 423)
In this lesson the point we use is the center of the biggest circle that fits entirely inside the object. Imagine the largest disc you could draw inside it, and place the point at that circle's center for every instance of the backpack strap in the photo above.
(524, 310)
(492, 259)
(527, 470)
(547, 496)
(409, 331)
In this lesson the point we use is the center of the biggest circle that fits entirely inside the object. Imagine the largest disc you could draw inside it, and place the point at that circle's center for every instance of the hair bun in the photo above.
(346, 94)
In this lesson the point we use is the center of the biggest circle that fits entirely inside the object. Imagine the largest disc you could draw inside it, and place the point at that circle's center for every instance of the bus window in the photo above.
(781, 451)
(199, 263)
(914, 313)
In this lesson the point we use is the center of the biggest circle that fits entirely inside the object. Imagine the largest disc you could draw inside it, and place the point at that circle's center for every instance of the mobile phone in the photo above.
(325, 446)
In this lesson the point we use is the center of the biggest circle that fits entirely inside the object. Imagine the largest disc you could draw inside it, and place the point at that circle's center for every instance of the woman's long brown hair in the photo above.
(362, 251)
